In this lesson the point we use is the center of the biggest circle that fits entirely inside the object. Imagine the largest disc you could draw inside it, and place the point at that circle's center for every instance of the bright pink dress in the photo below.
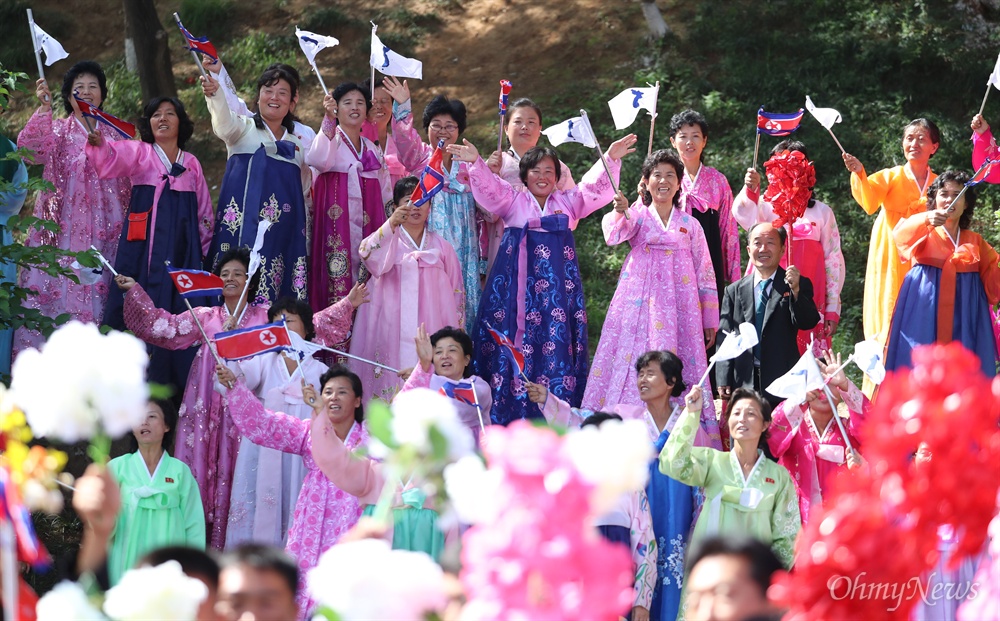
(812, 456)
(410, 285)
(665, 300)
(323, 512)
(89, 211)
(709, 192)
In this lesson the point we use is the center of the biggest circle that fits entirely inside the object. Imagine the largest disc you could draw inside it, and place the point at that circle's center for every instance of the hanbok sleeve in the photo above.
(121, 158)
(37, 136)
(857, 406)
(411, 150)
(729, 232)
(708, 294)
(680, 459)
(357, 476)
(984, 146)
(159, 327)
(618, 228)
(558, 412)
(566, 181)
(786, 522)
(989, 272)
(834, 264)
(194, 512)
(206, 216)
(333, 323)
(745, 211)
(595, 189)
(781, 434)
(228, 89)
(910, 234)
(325, 149)
(419, 378)
(379, 250)
(226, 124)
(275, 430)
(644, 551)
(870, 190)
(492, 193)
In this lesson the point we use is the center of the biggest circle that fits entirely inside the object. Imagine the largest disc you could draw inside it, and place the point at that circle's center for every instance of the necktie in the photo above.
(762, 294)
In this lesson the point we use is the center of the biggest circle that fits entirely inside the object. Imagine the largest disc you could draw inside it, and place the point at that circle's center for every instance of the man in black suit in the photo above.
(778, 302)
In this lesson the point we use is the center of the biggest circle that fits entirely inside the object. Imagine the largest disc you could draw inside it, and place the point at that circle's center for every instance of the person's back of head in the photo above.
(728, 577)
(258, 579)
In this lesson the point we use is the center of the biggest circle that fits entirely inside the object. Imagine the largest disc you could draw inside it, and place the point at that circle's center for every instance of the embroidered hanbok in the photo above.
(207, 441)
(266, 482)
(895, 190)
(475, 416)
(947, 294)
(323, 512)
(410, 285)
(349, 197)
(453, 209)
(815, 251)
(88, 210)
(158, 509)
(390, 155)
(266, 179)
(812, 456)
(16, 174)
(534, 294)
(708, 198)
(762, 505)
(169, 219)
(672, 504)
(665, 300)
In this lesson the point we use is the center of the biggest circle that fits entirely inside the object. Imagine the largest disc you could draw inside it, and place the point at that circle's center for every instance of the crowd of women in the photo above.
(434, 290)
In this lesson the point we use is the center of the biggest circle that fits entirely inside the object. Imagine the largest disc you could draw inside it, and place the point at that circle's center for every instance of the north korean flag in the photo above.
(503, 341)
(198, 44)
(461, 391)
(195, 283)
(249, 342)
(126, 129)
(777, 123)
(432, 179)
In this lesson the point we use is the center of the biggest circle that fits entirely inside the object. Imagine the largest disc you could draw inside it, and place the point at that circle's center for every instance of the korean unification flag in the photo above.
(576, 129)
(994, 78)
(387, 62)
(799, 380)
(626, 105)
(827, 117)
(312, 43)
(54, 51)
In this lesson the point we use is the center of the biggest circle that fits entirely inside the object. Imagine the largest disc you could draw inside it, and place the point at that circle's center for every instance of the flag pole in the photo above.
(503, 115)
(833, 405)
(652, 118)
(374, 28)
(842, 151)
(201, 329)
(41, 67)
(600, 155)
(321, 82)
(358, 358)
(756, 149)
(103, 260)
(966, 186)
(197, 59)
(479, 409)
(8, 562)
(982, 106)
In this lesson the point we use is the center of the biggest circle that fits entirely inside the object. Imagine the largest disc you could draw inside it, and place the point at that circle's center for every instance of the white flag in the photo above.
(626, 105)
(312, 43)
(576, 129)
(995, 76)
(303, 348)
(827, 117)
(258, 243)
(388, 62)
(868, 357)
(736, 342)
(799, 380)
(87, 275)
(54, 51)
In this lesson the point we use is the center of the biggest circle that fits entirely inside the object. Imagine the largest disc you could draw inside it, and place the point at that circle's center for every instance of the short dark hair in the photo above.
(761, 559)
(533, 157)
(523, 102)
(296, 307)
(263, 558)
(451, 107)
(404, 189)
(241, 254)
(960, 177)
(932, 129)
(598, 418)
(461, 337)
(688, 117)
(790, 145)
(80, 68)
(270, 77)
(662, 156)
(670, 365)
(782, 233)
(185, 128)
(339, 370)
(346, 87)
(193, 562)
(169, 420)
(743, 393)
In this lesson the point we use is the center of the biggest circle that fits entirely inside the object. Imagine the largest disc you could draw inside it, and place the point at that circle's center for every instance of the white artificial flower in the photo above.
(474, 491)
(415, 412)
(66, 602)
(80, 382)
(613, 457)
(367, 579)
(161, 593)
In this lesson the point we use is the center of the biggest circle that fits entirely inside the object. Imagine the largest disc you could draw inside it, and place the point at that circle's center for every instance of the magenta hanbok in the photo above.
(665, 300)
(323, 512)
(410, 285)
(815, 251)
(349, 196)
(708, 198)
(475, 416)
(534, 294)
(813, 456)
(390, 155)
(88, 210)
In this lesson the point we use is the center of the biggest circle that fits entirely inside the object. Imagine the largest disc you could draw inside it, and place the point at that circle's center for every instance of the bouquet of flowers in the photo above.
(790, 180)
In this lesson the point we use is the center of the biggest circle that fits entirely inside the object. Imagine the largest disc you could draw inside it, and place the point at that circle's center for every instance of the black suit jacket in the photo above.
(784, 316)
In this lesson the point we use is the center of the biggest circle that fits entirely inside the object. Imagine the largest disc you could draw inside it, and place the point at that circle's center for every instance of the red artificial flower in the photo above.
(790, 179)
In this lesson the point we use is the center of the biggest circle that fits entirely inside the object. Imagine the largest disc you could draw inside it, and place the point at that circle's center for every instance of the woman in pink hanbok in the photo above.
(416, 280)
(349, 194)
(815, 242)
(323, 512)
(807, 441)
(666, 297)
(534, 295)
(88, 210)
(377, 130)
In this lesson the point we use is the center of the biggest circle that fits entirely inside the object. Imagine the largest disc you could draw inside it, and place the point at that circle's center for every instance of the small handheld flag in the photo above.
(799, 380)
(984, 171)
(868, 357)
(195, 283)
(744, 338)
(87, 275)
(827, 117)
(503, 341)
(505, 87)
(431, 179)
(249, 342)
(126, 129)
(197, 44)
(312, 44)
(12, 509)
(777, 123)
(464, 392)
(44, 42)
(575, 129)
(625, 105)
(993, 80)
(390, 63)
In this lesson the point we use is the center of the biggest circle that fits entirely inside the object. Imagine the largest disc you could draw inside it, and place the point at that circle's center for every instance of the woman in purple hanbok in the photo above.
(88, 210)
(534, 294)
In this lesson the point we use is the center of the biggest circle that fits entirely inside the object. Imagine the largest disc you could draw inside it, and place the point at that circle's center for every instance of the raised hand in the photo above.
(829, 363)
(43, 94)
(358, 294)
(95, 140)
(400, 214)
(621, 203)
(124, 282)
(979, 124)
(310, 398)
(792, 277)
(226, 376)
(399, 92)
(937, 217)
(853, 164)
(495, 163)
(693, 399)
(752, 179)
(425, 351)
(330, 105)
(537, 393)
(209, 85)
(465, 152)
(622, 147)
